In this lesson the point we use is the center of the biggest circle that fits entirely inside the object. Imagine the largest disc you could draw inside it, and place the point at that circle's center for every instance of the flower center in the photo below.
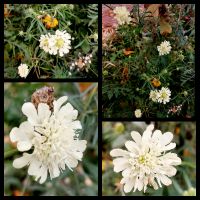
(59, 43)
(48, 145)
(141, 159)
(164, 95)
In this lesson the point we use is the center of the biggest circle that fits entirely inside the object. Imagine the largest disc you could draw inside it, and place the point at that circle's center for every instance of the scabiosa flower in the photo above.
(60, 43)
(52, 137)
(146, 161)
(45, 42)
(122, 15)
(23, 70)
(138, 113)
(164, 48)
(154, 95)
(164, 95)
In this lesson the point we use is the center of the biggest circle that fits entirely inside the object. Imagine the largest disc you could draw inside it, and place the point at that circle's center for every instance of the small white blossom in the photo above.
(21, 33)
(23, 70)
(154, 95)
(146, 162)
(164, 48)
(164, 95)
(45, 42)
(53, 138)
(60, 43)
(138, 113)
(122, 15)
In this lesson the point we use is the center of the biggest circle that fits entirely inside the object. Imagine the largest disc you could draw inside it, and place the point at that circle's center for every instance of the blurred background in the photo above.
(183, 183)
(83, 181)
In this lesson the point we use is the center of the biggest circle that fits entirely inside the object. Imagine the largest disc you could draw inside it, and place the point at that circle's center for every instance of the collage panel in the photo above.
(148, 61)
(50, 139)
(149, 159)
(50, 41)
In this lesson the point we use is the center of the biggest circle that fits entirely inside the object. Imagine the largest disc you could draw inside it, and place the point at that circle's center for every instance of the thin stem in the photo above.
(26, 183)
(108, 6)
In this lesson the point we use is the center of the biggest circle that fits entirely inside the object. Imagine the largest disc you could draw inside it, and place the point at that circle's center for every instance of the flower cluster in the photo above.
(160, 96)
(60, 43)
(175, 109)
(83, 62)
(146, 162)
(122, 15)
(52, 135)
(164, 48)
(23, 70)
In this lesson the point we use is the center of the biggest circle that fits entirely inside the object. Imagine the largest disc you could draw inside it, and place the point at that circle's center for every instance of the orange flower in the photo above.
(50, 22)
(155, 82)
(127, 51)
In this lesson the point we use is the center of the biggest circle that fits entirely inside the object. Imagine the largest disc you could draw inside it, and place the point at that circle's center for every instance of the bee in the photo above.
(43, 95)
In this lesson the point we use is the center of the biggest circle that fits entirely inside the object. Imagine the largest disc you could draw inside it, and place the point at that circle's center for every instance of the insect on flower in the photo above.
(43, 95)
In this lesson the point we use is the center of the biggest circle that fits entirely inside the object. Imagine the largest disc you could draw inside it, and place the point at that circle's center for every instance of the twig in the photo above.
(108, 6)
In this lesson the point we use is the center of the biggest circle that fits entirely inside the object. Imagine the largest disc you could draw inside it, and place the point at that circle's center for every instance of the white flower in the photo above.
(164, 48)
(23, 70)
(45, 42)
(53, 138)
(60, 43)
(164, 95)
(138, 113)
(122, 15)
(21, 33)
(154, 95)
(146, 161)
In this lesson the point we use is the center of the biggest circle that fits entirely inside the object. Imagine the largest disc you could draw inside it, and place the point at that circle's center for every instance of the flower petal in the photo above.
(80, 145)
(169, 147)
(57, 104)
(43, 174)
(22, 161)
(132, 146)
(157, 135)
(120, 164)
(136, 137)
(127, 172)
(166, 138)
(43, 111)
(30, 111)
(34, 167)
(119, 152)
(165, 180)
(14, 137)
(128, 186)
(24, 145)
(76, 125)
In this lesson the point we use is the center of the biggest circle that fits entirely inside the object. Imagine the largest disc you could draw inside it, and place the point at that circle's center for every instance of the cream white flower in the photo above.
(122, 15)
(23, 70)
(138, 113)
(164, 95)
(60, 43)
(45, 42)
(53, 138)
(164, 48)
(154, 95)
(146, 161)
